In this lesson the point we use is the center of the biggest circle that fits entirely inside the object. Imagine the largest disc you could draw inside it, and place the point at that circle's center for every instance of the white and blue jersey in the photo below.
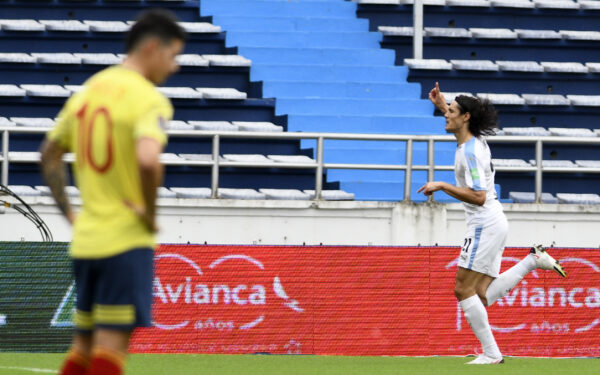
(487, 226)
(473, 169)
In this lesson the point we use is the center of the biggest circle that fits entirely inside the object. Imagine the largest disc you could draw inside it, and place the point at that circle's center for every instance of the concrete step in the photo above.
(406, 124)
(386, 156)
(268, 23)
(341, 90)
(328, 72)
(339, 9)
(345, 56)
(353, 106)
(303, 39)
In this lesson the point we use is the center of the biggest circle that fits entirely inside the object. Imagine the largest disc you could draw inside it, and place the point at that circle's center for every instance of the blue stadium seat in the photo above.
(496, 14)
(270, 65)
(533, 60)
(76, 39)
(528, 197)
(186, 11)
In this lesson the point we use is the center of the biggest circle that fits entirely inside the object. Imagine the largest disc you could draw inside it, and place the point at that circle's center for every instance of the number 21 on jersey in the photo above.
(467, 244)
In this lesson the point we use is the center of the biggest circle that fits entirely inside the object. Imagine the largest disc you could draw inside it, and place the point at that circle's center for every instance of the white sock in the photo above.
(508, 279)
(478, 320)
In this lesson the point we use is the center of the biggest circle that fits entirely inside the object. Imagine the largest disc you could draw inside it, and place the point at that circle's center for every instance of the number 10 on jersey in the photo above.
(90, 136)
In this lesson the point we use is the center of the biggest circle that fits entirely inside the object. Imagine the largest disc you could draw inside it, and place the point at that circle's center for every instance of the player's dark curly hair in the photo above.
(158, 23)
(484, 117)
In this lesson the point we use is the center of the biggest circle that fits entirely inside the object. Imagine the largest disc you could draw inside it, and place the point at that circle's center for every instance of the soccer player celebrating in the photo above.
(478, 283)
(115, 127)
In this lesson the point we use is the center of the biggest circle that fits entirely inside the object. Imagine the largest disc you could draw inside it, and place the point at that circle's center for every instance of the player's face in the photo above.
(163, 63)
(455, 120)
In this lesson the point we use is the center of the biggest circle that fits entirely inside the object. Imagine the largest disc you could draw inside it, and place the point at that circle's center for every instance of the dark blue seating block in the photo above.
(94, 42)
(547, 116)
(185, 176)
(104, 11)
(58, 74)
(501, 49)
(507, 82)
(185, 145)
(29, 174)
(553, 183)
(235, 146)
(549, 151)
(245, 110)
(178, 176)
(252, 178)
(25, 142)
(512, 18)
(206, 110)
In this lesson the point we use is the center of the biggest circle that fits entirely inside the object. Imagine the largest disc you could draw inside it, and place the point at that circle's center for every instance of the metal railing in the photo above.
(319, 165)
(418, 29)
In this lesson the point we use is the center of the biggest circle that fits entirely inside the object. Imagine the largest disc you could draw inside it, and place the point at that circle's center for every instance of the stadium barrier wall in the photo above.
(352, 223)
(311, 300)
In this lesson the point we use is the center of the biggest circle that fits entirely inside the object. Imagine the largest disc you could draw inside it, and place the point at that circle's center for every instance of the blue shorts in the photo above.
(115, 292)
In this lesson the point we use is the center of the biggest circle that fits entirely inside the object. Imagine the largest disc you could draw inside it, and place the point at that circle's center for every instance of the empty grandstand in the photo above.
(533, 59)
(317, 67)
(289, 218)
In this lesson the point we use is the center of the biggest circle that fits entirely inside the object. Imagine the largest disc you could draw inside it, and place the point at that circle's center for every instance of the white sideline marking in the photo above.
(29, 369)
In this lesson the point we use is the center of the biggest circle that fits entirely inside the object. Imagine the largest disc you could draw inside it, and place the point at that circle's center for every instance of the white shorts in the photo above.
(483, 246)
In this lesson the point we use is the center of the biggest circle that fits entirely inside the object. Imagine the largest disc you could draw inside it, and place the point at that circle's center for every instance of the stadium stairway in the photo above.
(328, 73)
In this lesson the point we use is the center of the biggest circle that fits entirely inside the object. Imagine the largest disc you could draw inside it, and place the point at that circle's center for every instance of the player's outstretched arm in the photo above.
(54, 172)
(464, 194)
(437, 98)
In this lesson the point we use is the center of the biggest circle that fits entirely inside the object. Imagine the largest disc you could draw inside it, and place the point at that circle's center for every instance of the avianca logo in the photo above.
(180, 286)
(577, 298)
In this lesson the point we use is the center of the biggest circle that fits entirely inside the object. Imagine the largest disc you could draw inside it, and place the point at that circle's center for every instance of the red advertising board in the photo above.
(360, 301)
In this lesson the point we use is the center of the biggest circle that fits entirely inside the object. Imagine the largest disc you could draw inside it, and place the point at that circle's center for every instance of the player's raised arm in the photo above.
(437, 98)
(55, 174)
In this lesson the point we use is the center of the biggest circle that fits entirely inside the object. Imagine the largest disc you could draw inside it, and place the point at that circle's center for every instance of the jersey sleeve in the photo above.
(474, 170)
(152, 123)
(61, 133)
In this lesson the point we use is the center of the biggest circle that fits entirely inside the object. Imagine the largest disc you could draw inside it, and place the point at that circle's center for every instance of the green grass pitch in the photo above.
(191, 364)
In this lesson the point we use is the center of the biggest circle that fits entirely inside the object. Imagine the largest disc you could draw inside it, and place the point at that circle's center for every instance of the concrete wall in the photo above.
(331, 223)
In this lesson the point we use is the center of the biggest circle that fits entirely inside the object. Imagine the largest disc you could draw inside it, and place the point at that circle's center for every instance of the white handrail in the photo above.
(319, 165)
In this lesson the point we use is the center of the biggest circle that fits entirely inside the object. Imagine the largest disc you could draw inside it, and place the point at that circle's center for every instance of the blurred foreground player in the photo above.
(478, 283)
(115, 128)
